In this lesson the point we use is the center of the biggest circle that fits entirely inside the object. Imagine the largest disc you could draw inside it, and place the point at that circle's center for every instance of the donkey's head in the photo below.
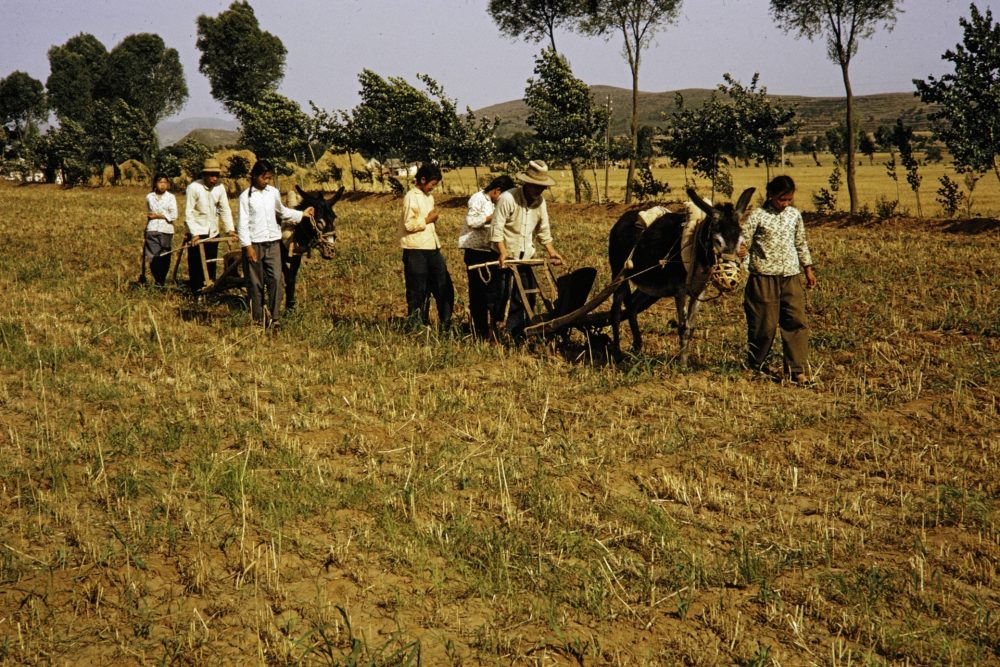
(324, 234)
(720, 237)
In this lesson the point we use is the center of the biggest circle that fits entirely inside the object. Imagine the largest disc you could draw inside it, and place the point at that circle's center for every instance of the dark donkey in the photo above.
(300, 239)
(651, 257)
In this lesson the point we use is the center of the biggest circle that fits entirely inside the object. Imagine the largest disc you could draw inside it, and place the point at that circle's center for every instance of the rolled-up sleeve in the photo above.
(543, 232)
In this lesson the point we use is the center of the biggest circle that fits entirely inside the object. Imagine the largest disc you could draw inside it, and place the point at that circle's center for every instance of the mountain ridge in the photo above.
(816, 114)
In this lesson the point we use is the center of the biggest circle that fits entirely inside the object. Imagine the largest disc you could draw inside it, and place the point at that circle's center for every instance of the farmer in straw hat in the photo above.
(207, 204)
(520, 217)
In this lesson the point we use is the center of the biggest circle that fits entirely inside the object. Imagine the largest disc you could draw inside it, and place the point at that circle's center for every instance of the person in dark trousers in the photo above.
(424, 269)
(260, 237)
(777, 260)
(520, 217)
(207, 205)
(161, 212)
(486, 302)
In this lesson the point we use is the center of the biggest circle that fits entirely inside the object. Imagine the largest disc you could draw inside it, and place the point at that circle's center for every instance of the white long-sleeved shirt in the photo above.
(165, 204)
(475, 233)
(517, 224)
(777, 242)
(259, 213)
(205, 208)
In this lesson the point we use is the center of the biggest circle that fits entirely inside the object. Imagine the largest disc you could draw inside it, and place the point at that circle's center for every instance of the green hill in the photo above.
(817, 114)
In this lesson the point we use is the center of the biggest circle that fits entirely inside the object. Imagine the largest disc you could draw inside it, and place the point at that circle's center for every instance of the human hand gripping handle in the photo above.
(251, 253)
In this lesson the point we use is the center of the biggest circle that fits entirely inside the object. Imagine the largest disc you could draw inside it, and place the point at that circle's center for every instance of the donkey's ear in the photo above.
(744, 201)
(336, 196)
(302, 193)
(700, 203)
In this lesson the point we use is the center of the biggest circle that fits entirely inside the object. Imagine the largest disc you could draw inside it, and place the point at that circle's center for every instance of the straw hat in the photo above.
(211, 166)
(537, 173)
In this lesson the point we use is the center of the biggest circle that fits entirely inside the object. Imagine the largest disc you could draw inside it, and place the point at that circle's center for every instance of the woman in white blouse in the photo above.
(485, 286)
(161, 213)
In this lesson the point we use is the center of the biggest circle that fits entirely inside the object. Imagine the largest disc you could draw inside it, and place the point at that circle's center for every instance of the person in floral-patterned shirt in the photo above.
(778, 256)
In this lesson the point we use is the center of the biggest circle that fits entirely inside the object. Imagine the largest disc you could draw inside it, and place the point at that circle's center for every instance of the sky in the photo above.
(330, 42)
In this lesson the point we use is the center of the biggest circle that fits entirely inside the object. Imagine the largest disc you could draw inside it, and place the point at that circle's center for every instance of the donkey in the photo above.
(651, 258)
(300, 239)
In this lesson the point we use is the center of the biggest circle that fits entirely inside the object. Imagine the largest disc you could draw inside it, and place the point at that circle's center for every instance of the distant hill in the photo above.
(212, 132)
(816, 114)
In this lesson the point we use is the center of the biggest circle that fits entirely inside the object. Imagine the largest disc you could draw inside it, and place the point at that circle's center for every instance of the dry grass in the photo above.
(180, 488)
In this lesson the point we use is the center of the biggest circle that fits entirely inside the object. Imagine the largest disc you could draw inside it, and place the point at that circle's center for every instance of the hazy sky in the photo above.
(330, 41)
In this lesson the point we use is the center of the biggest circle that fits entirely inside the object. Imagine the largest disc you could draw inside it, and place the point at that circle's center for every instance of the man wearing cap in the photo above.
(521, 216)
(207, 203)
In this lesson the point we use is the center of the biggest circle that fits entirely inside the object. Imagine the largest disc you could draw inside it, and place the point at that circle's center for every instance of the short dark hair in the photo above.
(780, 185)
(428, 172)
(261, 167)
(504, 182)
(157, 177)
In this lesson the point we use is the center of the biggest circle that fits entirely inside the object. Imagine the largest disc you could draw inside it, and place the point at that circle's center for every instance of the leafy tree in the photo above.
(969, 118)
(145, 74)
(534, 19)
(274, 127)
(75, 69)
(866, 144)
(189, 155)
(472, 141)
(761, 122)
(902, 139)
(396, 120)
(516, 149)
(702, 138)
(240, 60)
(568, 124)
(836, 141)
(22, 107)
(843, 23)
(68, 151)
(638, 22)
(123, 133)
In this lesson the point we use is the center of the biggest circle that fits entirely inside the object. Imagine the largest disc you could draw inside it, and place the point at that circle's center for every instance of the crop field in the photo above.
(177, 487)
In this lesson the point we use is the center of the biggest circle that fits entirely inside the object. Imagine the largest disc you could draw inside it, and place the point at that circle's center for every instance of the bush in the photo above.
(949, 196)
(885, 207)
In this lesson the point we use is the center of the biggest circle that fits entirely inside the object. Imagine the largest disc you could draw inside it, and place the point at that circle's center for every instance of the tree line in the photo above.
(107, 103)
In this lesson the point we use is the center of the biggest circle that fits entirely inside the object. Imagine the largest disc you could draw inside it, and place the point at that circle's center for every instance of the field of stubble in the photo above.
(179, 488)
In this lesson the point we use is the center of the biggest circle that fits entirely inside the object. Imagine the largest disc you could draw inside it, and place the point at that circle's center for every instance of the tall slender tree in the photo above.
(241, 61)
(534, 19)
(22, 107)
(637, 21)
(843, 23)
(569, 125)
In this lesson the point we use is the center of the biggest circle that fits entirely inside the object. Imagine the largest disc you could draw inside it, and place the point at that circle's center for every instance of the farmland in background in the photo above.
(177, 487)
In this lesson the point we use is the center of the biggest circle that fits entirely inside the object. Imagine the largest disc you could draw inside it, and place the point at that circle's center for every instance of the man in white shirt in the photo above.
(207, 204)
(260, 237)
(519, 218)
